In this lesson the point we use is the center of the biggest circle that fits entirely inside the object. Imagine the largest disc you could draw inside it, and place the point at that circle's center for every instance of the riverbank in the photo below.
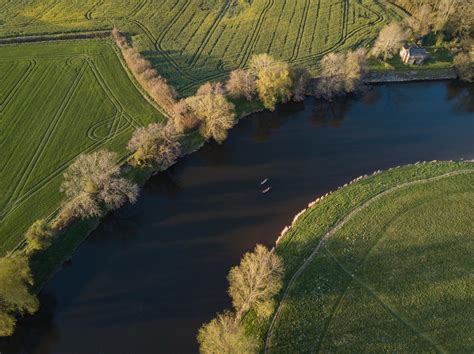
(374, 77)
(334, 222)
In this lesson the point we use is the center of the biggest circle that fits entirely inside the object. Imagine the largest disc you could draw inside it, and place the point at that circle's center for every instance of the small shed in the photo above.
(411, 54)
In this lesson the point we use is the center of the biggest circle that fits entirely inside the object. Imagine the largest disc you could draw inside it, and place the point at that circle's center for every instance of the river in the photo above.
(147, 278)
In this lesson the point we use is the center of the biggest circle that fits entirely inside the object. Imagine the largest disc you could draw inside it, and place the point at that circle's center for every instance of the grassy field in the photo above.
(394, 273)
(193, 41)
(57, 100)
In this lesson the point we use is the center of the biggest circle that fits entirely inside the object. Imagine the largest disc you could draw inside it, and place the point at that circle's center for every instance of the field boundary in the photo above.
(55, 37)
(335, 229)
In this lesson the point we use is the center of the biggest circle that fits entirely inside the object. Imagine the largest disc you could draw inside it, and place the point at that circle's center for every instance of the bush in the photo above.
(38, 237)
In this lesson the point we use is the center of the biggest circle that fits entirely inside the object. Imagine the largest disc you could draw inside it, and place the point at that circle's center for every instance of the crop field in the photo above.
(193, 41)
(382, 265)
(57, 100)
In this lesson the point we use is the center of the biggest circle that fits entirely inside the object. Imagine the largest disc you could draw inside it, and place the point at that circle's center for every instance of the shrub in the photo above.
(38, 237)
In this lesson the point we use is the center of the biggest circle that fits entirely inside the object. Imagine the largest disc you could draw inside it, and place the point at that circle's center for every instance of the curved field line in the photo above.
(351, 277)
(302, 26)
(30, 69)
(335, 229)
(255, 34)
(138, 7)
(88, 14)
(42, 13)
(28, 170)
(197, 55)
(277, 26)
(163, 53)
(391, 310)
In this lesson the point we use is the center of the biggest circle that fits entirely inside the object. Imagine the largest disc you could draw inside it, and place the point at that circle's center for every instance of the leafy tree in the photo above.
(93, 180)
(39, 236)
(389, 41)
(223, 335)
(241, 84)
(156, 144)
(15, 295)
(274, 85)
(261, 62)
(213, 110)
(255, 281)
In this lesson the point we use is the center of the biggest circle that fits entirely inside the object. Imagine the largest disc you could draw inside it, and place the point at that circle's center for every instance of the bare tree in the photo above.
(464, 66)
(355, 68)
(183, 117)
(224, 335)
(299, 78)
(157, 145)
(241, 84)
(213, 110)
(210, 88)
(420, 22)
(255, 282)
(389, 40)
(93, 180)
(332, 79)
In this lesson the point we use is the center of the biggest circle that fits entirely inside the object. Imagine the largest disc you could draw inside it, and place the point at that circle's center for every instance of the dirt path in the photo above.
(335, 229)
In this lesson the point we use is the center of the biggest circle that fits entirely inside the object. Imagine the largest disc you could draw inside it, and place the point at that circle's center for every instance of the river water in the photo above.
(153, 272)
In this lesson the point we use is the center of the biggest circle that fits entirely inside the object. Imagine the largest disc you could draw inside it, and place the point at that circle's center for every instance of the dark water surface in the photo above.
(154, 271)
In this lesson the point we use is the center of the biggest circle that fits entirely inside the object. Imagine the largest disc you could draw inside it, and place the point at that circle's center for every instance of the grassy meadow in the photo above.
(58, 100)
(394, 273)
(193, 41)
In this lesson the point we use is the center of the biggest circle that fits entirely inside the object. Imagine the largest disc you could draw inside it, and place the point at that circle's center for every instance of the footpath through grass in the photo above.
(395, 273)
(58, 100)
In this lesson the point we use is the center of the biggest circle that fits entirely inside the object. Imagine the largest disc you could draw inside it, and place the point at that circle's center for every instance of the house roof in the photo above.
(417, 52)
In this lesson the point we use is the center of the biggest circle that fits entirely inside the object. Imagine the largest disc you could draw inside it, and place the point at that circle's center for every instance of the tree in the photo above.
(299, 78)
(156, 144)
(464, 67)
(274, 85)
(255, 282)
(15, 295)
(261, 62)
(213, 110)
(389, 41)
(224, 335)
(241, 84)
(331, 82)
(354, 69)
(420, 22)
(92, 181)
(183, 117)
(38, 237)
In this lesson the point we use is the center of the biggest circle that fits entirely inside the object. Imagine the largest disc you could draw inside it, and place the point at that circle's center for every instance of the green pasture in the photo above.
(394, 273)
(193, 41)
(57, 100)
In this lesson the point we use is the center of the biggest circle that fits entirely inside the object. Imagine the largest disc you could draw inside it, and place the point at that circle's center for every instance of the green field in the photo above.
(381, 265)
(57, 100)
(193, 41)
